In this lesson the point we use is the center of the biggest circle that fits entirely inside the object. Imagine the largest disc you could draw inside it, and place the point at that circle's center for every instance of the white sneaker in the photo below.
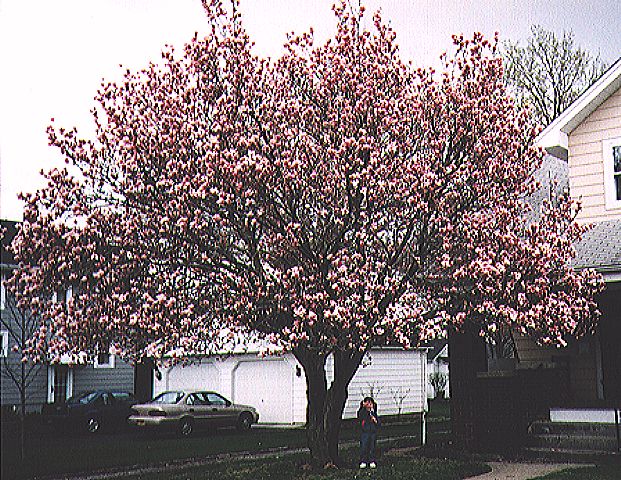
(363, 465)
(372, 465)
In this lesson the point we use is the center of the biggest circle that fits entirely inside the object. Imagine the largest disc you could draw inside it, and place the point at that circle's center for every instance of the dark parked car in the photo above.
(187, 410)
(91, 411)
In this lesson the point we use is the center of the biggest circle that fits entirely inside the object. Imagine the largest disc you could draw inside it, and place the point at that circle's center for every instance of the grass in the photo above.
(294, 467)
(52, 454)
(599, 472)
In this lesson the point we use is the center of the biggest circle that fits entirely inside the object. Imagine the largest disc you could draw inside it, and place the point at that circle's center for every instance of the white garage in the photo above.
(266, 385)
(276, 385)
(194, 376)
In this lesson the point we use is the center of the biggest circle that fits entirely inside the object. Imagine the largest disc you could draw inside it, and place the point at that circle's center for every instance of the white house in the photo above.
(438, 363)
(276, 385)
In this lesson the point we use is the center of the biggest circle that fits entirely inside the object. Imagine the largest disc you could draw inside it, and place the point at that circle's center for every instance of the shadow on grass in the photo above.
(390, 467)
(52, 453)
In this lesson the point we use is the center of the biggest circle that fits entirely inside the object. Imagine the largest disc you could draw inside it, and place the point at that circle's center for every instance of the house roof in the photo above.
(9, 230)
(553, 178)
(600, 247)
(554, 138)
(435, 348)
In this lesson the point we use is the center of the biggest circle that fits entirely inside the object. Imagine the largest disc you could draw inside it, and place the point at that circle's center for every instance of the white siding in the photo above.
(203, 376)
(299, 392)
(385, 374)
(280, 381)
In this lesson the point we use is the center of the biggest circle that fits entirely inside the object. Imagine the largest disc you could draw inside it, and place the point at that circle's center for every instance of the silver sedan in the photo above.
(188, 410)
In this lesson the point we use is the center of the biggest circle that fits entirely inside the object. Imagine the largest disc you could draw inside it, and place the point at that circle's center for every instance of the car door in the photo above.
(198, 408)
(106, 408)
(221, 410)
(122, 406)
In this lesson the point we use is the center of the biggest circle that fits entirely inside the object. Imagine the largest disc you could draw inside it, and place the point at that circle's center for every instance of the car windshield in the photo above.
(83, 398)
(168, 397)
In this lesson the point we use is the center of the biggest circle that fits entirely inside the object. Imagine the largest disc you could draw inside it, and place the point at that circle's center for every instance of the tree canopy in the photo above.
(333, 199)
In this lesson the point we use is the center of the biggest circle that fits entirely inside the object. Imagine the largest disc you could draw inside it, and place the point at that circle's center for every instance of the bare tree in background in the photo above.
(372, 390)
(399, 395)
(438, 381)
(550, 72)
(21, 326)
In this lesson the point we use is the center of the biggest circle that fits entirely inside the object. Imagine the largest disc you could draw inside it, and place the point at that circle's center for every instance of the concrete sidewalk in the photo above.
(522, 471)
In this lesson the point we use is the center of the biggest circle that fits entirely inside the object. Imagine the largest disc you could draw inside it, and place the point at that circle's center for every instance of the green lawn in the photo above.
(600, 472)
(50, 453)
(391, 467)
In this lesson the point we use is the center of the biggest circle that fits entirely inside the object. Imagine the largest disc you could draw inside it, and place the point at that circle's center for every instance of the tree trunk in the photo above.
(22, 417)
(325, 405)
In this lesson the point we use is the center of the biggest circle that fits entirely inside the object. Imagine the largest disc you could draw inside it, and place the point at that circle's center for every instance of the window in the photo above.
(104, 360)
(168, 398)
(4, 343)
(83, 399)
(197, 399)
(612, 172)
(215, 399)
(123, 397)
(2, 291)
(59, 383)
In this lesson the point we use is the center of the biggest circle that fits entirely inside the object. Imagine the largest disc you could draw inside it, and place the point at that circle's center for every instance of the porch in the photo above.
(493, 407)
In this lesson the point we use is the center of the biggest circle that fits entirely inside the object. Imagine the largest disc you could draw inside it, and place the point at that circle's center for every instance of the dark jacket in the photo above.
(366, 423)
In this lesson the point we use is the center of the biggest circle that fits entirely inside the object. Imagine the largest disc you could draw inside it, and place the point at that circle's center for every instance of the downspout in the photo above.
(423, 359)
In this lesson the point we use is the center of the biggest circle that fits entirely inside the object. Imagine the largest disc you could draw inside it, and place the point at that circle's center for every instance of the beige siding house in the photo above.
(542, 397)
(588, 137)
(591, 147)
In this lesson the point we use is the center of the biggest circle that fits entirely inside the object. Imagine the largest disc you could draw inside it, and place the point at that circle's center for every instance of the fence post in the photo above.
(424, 433)
(617, 430)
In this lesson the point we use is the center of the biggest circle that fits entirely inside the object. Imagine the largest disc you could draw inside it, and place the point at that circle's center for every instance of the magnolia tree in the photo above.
(333, 199)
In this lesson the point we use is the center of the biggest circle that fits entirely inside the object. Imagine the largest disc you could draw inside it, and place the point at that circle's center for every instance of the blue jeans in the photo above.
(367, 447)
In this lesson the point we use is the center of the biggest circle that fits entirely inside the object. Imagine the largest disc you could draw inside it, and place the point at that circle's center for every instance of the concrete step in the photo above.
(574, 442)
(561, 428)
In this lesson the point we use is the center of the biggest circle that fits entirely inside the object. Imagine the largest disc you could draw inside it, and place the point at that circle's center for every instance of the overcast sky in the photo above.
(55, 53)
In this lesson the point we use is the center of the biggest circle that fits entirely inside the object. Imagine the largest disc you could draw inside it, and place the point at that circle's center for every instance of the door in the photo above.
(610, 342)
(221, 411)
(266, 385)
(107, 409)
(199, 409)
(60, 383)
(143, 381)
(122, 402)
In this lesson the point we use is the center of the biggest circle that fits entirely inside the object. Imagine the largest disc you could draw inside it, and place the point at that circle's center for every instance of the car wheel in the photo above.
(186, 427)
(245, 421)
(93, 425)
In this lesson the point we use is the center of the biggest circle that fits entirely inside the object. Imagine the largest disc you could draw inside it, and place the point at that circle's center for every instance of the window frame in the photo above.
(3, 278)
(110, 364)
(610, 190)
(4, 343)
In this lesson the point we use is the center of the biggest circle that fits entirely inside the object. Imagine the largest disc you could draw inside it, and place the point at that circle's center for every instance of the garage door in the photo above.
(204, 376)
(266, 385)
